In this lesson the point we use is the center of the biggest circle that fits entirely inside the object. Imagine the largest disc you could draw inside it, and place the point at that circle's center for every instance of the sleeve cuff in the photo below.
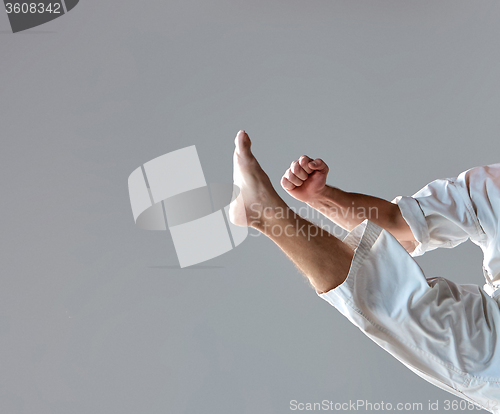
(414, 217)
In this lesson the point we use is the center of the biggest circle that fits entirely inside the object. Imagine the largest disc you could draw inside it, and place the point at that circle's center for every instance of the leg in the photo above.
(444, 332)
(323, 258)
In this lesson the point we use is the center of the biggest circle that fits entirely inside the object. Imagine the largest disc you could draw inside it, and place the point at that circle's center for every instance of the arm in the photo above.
(305, 180)
(350, 209)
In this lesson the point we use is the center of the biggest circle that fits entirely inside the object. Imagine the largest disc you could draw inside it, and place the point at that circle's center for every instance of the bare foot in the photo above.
(257, 199)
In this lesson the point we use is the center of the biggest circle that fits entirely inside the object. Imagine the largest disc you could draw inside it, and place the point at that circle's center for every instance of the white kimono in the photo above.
(444, 332)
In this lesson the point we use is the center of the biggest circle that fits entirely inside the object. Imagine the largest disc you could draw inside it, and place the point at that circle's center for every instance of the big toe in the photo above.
(243, 143)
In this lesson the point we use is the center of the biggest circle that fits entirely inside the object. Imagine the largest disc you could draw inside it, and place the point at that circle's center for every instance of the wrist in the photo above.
(326, 197)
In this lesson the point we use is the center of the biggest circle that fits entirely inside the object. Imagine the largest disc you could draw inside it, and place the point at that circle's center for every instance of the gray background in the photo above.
(95, 315)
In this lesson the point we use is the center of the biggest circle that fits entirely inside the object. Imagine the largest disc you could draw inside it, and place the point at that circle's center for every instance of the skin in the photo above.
(320, 256)
(305, 180)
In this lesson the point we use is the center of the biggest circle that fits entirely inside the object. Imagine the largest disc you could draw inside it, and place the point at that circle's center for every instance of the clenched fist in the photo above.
(305, 180)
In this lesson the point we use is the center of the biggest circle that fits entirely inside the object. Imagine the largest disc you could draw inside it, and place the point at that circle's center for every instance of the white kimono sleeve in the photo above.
(443, 213)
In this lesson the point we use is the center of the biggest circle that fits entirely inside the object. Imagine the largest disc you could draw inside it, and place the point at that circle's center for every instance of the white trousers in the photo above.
(447, 333)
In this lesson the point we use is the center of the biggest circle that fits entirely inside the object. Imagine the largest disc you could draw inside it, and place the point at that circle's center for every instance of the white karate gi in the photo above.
(445, 332)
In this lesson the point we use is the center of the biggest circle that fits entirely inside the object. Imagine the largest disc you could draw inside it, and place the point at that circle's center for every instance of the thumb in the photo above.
(318, 165)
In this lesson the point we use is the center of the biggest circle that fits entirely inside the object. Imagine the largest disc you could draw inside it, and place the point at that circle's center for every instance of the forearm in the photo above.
(350, 209)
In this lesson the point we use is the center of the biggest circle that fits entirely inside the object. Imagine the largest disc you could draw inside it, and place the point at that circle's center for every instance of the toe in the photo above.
(243, 143)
